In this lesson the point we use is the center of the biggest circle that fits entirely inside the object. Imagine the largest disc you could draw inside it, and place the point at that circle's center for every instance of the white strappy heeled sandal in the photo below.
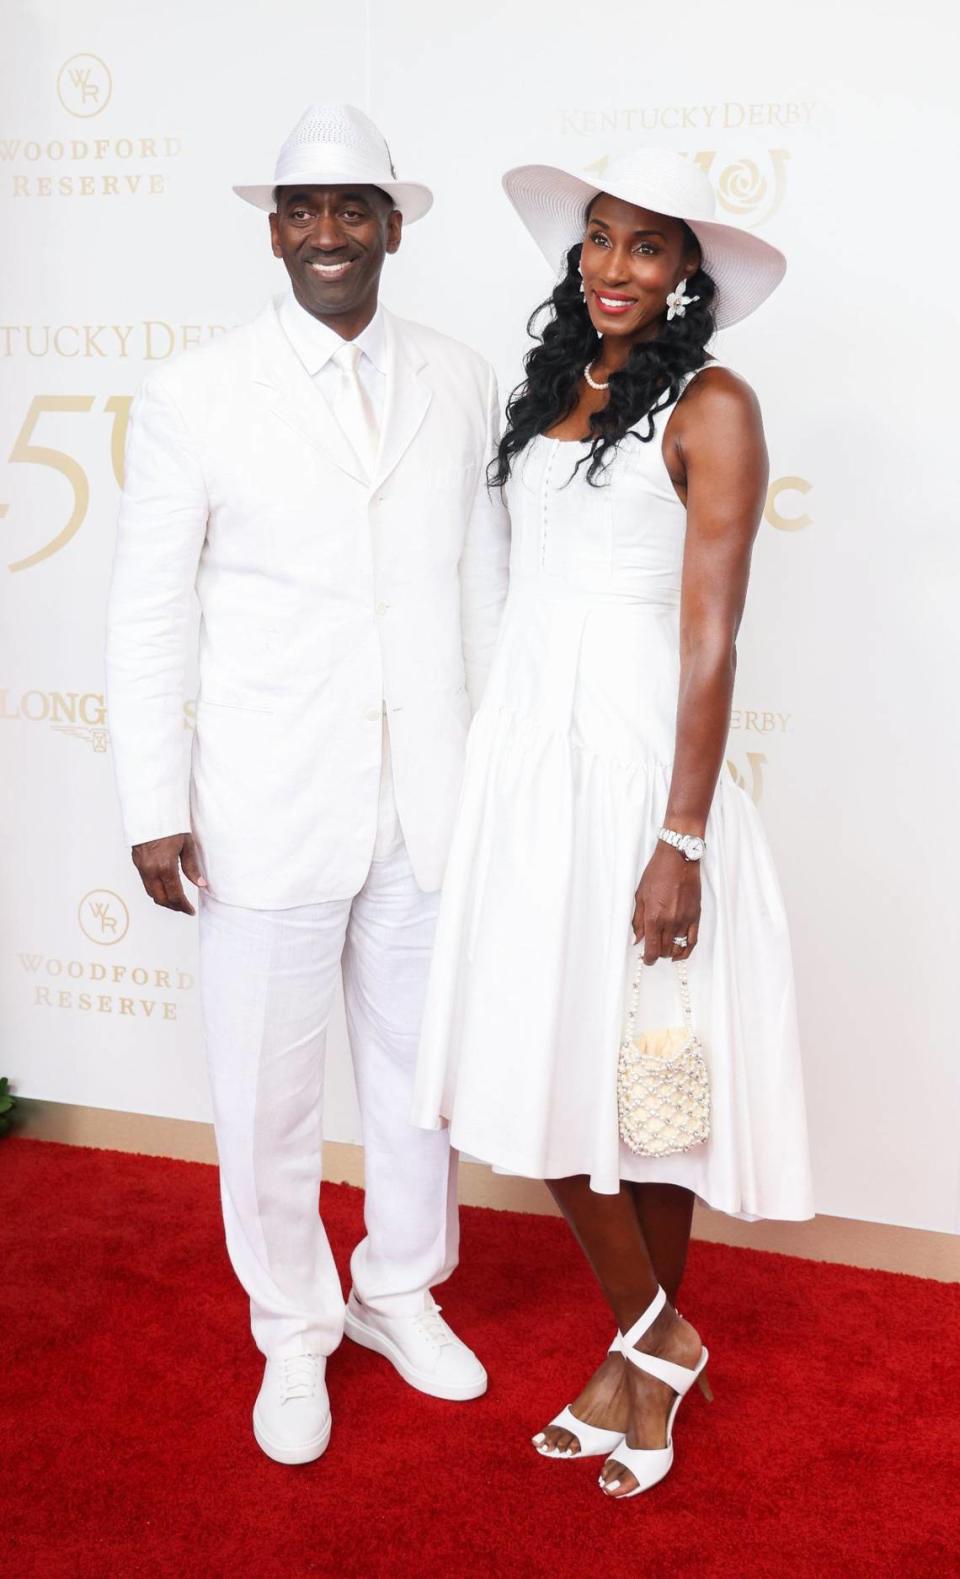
(594, 1442)
(648, 1465)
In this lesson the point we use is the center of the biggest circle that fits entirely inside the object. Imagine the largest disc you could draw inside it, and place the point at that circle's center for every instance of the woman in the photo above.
(636, 472)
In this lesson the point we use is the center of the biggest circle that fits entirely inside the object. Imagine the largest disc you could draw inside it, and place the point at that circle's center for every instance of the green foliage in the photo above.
(7, 1104)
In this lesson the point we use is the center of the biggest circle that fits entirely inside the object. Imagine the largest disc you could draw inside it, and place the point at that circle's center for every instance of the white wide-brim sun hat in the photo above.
(553, 205)
(337, 145)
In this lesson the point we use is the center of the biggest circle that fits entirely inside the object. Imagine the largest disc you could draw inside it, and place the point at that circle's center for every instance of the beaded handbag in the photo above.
(663, 1090)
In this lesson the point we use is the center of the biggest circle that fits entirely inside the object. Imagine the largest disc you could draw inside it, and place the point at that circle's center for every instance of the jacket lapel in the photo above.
(293, 399)
(408, 397)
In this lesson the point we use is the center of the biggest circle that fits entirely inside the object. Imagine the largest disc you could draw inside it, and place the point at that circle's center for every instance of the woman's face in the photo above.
(631, 260)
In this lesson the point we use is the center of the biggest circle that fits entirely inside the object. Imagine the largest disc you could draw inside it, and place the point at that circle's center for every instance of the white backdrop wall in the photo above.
(824, 127)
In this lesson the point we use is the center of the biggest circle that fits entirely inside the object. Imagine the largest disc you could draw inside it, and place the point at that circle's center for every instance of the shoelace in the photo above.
(298, 1376)
(434, 1329)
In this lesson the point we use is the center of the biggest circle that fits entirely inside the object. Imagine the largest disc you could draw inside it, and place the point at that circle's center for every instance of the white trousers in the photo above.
(267, 980)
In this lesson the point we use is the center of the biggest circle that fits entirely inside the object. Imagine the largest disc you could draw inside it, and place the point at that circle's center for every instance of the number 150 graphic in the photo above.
(41, 455)
(118, 406)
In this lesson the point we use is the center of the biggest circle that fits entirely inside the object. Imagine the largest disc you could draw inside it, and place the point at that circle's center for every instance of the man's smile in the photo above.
(332, 271)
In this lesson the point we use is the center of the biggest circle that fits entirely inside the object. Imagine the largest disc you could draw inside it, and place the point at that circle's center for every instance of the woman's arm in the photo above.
(716, 456)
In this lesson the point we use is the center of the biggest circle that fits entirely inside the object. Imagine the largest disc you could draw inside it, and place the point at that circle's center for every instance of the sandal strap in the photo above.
(628, 1339)
(595, 1441)
(647, 1465)
(679, 1377)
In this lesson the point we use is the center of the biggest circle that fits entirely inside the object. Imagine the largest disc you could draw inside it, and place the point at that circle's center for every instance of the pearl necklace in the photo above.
(592, 382)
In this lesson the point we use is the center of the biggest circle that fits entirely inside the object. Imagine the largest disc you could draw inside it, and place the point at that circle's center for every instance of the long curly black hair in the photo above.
(648, 383)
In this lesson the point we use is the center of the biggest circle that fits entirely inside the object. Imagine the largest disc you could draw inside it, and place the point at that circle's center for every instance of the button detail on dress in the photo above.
(544, 500)
(374, 713)
(382, 608)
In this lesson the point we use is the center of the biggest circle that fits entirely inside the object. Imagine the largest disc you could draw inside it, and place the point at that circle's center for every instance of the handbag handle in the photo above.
(683, 987)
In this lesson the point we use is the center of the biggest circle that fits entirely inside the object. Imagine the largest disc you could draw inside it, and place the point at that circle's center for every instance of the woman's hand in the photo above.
(668, 905)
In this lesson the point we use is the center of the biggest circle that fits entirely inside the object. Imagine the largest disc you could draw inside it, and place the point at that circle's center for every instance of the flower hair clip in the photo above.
(678, 302)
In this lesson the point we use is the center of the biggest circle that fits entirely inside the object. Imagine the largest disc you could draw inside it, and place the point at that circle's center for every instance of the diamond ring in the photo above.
(681, 942)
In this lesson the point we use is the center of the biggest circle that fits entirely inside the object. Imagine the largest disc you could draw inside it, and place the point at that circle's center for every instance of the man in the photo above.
(318, 478)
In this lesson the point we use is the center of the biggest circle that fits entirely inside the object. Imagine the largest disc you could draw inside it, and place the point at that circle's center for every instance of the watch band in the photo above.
(690, 845)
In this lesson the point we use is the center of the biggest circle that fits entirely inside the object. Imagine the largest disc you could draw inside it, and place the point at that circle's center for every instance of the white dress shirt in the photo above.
(316, 345)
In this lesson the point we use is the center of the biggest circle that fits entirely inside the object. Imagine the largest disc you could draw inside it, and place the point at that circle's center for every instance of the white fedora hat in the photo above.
(337, 145)
(553, 205)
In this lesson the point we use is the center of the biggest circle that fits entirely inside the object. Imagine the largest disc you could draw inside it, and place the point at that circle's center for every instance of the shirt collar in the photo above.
(315, 343)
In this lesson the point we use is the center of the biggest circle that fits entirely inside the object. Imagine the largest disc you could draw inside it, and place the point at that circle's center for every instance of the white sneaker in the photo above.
(422, 1348)
(291, 1417)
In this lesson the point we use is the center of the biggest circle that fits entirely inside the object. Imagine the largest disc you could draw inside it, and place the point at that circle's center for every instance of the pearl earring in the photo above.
(678, 302)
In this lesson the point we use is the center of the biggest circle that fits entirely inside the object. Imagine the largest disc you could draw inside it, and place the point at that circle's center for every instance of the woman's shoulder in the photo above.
(716, 414)
(717, 388)
(717, 404)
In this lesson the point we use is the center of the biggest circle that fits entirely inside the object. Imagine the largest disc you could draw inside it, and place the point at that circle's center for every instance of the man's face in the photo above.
(333, 240)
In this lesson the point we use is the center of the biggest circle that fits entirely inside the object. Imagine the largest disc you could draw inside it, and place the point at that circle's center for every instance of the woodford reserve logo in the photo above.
(105, 985)
(92, 165)
(103, 917)
(84, 85)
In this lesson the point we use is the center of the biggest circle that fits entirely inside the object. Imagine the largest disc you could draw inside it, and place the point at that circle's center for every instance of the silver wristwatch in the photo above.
(690, 845)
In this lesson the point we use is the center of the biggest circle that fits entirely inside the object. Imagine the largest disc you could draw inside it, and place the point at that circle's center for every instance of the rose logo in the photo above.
(741, 188)
(750, 189)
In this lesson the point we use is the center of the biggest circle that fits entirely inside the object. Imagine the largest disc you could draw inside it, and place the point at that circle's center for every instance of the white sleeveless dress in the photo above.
(567, 774)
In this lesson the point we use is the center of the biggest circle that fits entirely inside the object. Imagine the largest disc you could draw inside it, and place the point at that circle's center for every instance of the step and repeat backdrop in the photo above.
(121, 133)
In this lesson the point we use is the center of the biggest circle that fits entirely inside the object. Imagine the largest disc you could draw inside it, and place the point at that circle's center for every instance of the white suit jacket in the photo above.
(322, 595)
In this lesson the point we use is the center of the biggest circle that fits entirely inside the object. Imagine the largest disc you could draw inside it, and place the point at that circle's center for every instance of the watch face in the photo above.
(693, 847)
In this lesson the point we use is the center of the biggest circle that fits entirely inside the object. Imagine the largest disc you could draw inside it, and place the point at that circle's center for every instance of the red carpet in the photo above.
(128, 1377)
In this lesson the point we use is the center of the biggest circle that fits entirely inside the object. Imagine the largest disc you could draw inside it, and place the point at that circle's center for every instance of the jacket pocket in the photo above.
(218, 706)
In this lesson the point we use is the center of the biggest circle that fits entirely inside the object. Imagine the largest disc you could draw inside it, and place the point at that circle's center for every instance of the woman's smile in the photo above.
(613, 303)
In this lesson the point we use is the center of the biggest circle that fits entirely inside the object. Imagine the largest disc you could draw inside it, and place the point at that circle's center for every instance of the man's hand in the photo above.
(159, 862)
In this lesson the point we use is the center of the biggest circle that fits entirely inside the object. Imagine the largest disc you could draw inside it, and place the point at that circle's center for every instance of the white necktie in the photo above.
(354, 410)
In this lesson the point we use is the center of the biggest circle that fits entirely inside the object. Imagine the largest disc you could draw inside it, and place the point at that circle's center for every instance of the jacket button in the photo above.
(382, 608)
(373, 713)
